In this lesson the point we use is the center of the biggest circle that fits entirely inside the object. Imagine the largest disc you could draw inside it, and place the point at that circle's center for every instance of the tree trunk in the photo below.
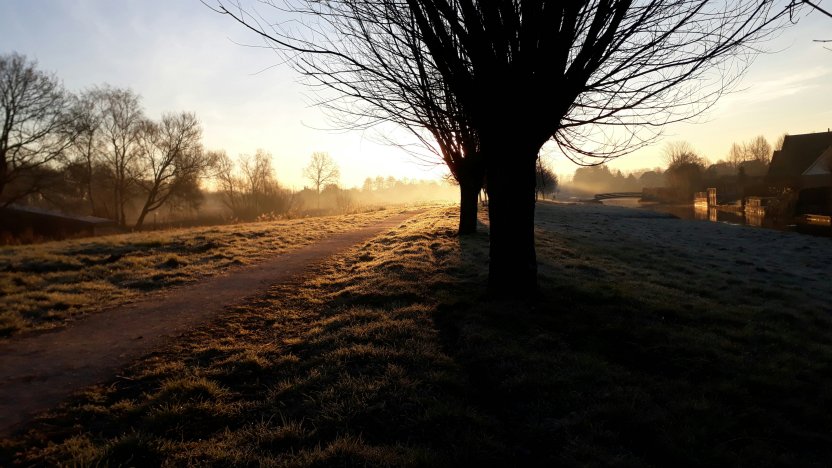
(116, 203)
(151, 199)
(140, 221)
(470, 174)
(89, 183)
(468, 198)
(511, 200)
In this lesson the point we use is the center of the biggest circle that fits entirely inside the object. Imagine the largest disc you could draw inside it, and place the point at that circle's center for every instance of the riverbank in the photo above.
(654, 342)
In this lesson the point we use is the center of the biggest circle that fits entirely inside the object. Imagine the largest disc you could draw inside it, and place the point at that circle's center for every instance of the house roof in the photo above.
(822, 165)
(797, 154)
(56, 214)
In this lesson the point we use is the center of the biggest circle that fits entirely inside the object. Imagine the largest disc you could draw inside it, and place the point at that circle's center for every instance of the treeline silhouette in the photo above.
(686, 171)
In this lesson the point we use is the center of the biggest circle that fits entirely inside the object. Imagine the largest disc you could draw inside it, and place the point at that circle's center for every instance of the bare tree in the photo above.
(251, 189)
(778, 143)
(36, 126)
(121, 118)
(376, 70)
(737, 155)
(759, 149)
(321, 171)
(679, 153)
(685, 169)
(170, 159)
(598, 77)
(546, 179)
(87, 148)
(228, 182)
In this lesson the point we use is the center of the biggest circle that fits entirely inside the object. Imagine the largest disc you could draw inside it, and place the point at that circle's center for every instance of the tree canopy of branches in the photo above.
(598, 77)
(250, 189)
(170, 159)
(546, 181)
(373, 69)
(121, 117)
(85, 153)
(757, 149)
(680, 153)
(37, 126)
(685, 169)
(321, 171)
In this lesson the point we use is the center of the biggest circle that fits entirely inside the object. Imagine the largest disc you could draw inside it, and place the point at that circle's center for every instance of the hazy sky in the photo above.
(181, 56)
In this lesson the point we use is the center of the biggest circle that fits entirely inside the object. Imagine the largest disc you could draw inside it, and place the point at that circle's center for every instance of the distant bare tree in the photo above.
(258, 173)
(547, 180)
(685, 168)
(778, 143)
(170, 159)
(36, 126)
(679, 153)
(737, 155)
(321, 171)
(250, 188)
(228, 182)
(757, 150)
(121, 119)
(86, 151)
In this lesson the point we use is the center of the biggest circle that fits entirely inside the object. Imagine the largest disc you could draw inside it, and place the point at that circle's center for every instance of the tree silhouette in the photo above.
(170, 159)
(121, 117)
(37, 126)
(87, 148)
(375, 69)
(321, 171)
(546, 181)
(598, 77)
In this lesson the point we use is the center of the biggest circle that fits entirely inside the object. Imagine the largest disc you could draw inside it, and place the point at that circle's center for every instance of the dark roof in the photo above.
(57, 214)
(798, 153)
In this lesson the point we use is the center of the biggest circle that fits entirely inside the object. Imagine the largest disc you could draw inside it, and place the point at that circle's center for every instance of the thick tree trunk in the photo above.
(470, 174)
(511, 201)
(468, 198)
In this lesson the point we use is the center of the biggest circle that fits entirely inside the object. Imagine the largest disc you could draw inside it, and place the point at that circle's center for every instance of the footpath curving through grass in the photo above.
(392, 356)
(43, 286)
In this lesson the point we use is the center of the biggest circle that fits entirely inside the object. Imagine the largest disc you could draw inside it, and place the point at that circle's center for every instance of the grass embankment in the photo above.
(392, 356)
(43, 286)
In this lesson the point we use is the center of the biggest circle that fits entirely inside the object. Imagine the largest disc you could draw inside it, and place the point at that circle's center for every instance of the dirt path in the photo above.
(37, 372)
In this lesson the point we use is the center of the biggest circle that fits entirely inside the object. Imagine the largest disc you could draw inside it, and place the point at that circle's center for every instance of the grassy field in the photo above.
(392, 356)
(43, 286)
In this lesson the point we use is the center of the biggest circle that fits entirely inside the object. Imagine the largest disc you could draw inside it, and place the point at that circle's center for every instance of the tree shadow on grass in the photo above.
(366, 365)
(598, 372)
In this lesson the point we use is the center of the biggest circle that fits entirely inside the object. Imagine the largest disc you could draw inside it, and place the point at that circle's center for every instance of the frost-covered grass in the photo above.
(635, 354)
(44, 285)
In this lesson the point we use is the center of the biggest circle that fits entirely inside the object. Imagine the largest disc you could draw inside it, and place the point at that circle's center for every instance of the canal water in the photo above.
(703, 213)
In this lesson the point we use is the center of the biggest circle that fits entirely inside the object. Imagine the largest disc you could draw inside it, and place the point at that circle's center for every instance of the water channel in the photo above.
(703, 213)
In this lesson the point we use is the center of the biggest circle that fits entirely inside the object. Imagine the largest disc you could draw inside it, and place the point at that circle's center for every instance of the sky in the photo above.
(181, 56)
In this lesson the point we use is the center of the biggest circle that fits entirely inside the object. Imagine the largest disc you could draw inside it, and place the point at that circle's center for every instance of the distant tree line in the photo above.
(95, 152)
(686, 171)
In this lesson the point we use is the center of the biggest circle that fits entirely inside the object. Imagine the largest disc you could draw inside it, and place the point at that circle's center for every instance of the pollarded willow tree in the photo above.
(597, 77)
(371, 67)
